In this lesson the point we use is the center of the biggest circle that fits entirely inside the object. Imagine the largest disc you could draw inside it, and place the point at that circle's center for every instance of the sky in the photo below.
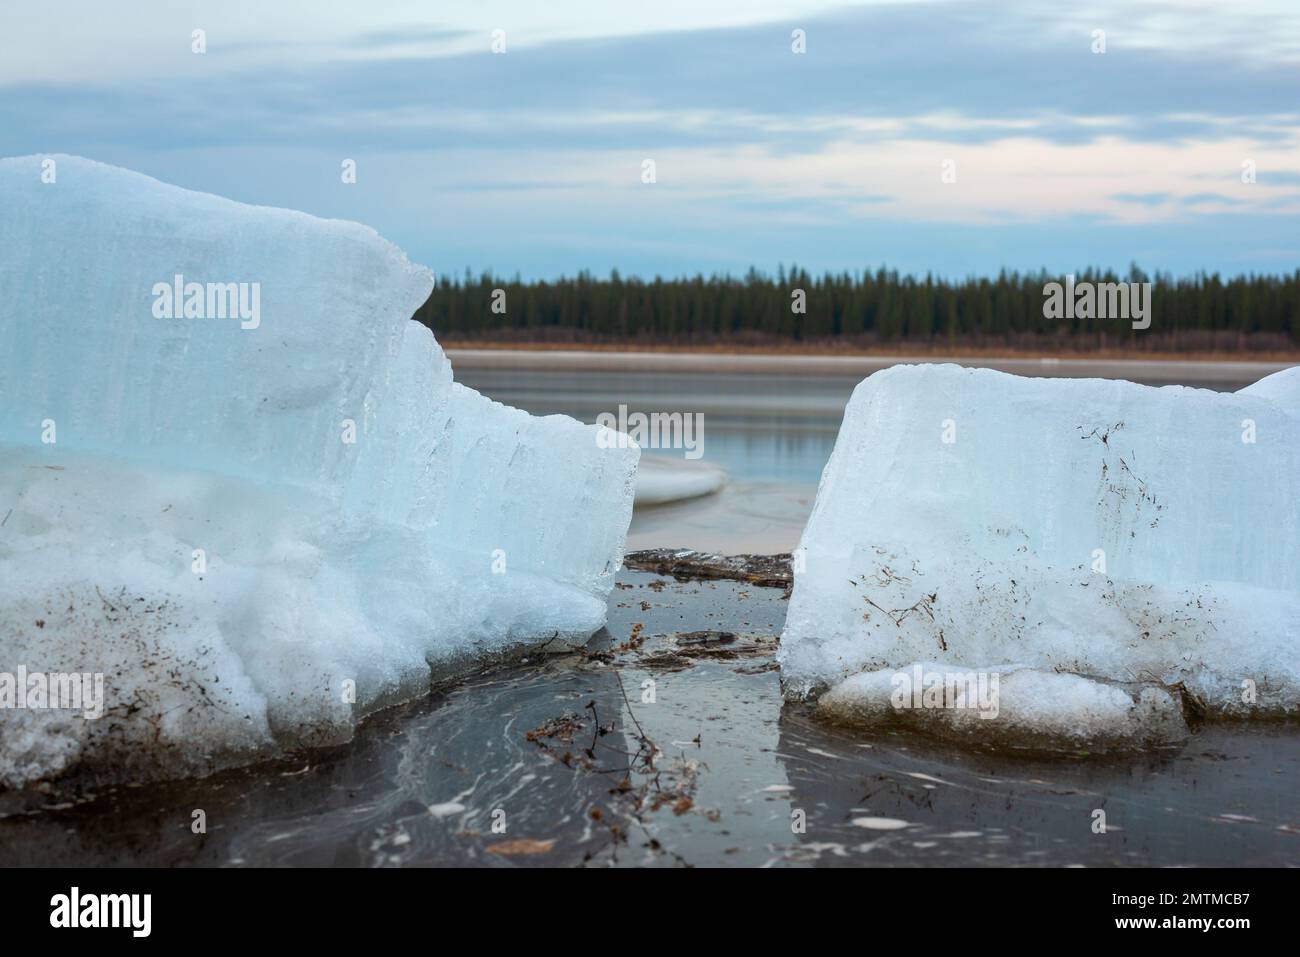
(954, 137)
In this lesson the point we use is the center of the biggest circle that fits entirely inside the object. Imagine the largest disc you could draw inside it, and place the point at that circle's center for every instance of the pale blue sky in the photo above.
(530, 161)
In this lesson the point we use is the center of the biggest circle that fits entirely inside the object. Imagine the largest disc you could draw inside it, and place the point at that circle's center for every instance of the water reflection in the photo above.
(894, 799)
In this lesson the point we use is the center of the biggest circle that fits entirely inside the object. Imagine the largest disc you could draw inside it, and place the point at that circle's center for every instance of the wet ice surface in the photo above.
(420, 783)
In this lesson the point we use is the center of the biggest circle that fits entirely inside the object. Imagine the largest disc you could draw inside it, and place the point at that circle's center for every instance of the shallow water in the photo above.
(420, 784)
(774, 428)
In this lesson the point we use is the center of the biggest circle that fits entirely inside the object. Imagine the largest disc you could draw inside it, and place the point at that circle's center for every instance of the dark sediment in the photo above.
(684, 564)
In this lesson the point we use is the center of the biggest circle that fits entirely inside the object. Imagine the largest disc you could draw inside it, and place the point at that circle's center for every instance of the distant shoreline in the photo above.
(903, 352)
(1210, 370)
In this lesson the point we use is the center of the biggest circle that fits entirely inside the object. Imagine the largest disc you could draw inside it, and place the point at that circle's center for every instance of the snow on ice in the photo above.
(1145, 541)
(238, 481)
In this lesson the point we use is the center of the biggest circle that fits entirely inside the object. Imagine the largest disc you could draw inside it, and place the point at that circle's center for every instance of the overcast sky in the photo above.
(531, 160)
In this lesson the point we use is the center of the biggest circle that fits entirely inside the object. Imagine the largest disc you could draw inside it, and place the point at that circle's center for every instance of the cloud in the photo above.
(951, 70)
(410, 34)
(1145, 199)
(1201, 199)
(751, 139)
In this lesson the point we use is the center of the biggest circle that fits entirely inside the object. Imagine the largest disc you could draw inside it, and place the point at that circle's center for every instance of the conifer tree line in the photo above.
(1200, 312)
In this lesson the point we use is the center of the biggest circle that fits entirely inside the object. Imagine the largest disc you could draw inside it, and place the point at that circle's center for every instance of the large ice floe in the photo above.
(1109, 557)
(256, 524)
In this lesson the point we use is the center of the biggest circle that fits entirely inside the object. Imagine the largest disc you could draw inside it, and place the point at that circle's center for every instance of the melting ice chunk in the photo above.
(257, 532)
(1090, 527)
